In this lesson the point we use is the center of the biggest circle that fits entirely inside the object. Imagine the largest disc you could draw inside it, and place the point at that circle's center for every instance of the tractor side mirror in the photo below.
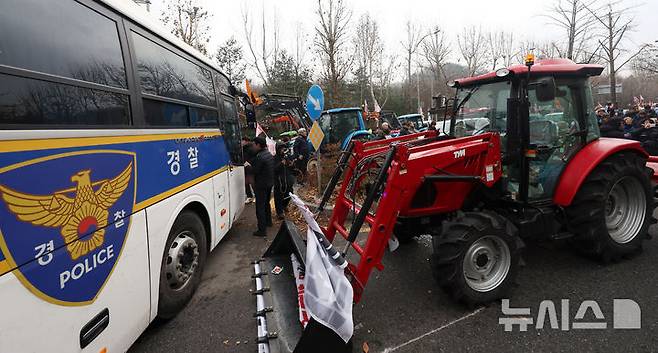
(545, 89)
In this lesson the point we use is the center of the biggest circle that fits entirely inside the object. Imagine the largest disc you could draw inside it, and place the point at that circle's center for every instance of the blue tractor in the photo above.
(341, 125)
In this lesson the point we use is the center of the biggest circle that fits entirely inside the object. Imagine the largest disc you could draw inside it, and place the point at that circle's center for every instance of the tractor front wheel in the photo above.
(406, 231)
(476, 257)
(611, 213)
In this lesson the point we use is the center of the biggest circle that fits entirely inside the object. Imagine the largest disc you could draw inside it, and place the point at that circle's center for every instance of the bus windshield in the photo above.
(482, 108)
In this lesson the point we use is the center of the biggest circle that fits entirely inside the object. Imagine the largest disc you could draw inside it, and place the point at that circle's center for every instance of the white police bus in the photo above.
(120, 169)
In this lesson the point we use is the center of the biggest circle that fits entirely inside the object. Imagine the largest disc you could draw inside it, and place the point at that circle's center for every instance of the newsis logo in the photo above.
(626, 315)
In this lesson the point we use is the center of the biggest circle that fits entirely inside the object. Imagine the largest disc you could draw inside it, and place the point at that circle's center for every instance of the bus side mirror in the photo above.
(232, 90)
(545, 89)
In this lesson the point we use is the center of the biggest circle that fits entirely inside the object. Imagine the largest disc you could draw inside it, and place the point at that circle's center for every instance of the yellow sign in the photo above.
(316, 135)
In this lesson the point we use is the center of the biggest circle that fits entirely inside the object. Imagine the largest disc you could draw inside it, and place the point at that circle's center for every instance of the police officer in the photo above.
(263, 168)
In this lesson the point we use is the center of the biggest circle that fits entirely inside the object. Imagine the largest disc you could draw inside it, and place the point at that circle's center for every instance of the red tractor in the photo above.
(523, 160)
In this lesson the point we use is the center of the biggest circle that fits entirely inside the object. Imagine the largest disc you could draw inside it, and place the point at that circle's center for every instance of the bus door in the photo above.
(230, 192)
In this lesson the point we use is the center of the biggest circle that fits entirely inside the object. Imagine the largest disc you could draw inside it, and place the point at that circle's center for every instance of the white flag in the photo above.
(377, 108)
(259, 130)
(328, 294)
(271, 145)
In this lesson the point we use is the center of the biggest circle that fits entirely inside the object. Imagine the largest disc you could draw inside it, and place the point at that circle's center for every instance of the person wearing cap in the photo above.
(300, 152)
(263, 168)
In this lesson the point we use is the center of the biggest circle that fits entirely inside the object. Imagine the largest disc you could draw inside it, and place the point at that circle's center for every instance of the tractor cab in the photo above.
(341, 125)
(544, 113)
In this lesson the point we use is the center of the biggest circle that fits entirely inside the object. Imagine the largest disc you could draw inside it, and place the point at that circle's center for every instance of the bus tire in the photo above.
(182, 264)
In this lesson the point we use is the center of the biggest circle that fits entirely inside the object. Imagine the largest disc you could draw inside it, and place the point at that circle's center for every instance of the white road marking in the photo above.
(393, 349)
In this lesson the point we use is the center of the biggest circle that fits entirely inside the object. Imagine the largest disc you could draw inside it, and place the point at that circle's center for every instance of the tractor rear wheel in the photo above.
(611, 213)
(476, 257)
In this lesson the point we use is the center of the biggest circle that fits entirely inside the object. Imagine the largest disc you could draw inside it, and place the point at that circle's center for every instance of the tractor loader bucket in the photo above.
(283, 323)
(277, 298)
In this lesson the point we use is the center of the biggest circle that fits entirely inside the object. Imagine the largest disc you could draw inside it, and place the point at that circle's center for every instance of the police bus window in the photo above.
(62, 38)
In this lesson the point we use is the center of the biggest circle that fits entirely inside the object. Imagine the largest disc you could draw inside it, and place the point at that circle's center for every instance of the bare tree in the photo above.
(331, 42)
(302, 71)
(436, 50)
(263, 43)
(573, 17)
(230, 59)
(415, 37)
(616, 22)
(502, 49)
(189, 22)
(383, 78)
(646, 64)
(543, 49)
(473, 48)
(369, 51)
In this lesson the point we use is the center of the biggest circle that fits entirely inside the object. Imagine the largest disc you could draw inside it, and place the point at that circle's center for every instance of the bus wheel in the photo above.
(182, 264)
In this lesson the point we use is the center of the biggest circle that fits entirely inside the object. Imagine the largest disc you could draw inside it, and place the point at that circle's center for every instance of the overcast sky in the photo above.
(522, 17)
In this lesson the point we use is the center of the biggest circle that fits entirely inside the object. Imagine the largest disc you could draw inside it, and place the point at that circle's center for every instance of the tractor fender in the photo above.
(588, 158)
(653, 164)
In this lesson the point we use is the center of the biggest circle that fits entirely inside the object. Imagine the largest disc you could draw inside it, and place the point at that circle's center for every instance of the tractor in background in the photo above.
(341, 125)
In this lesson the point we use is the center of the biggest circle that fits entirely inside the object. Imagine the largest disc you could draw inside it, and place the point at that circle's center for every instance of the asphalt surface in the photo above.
(403, 310)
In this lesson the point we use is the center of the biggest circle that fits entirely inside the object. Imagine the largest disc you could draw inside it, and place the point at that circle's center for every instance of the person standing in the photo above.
(248, 154)
(283, 180)
(263, 169)
(301, 153)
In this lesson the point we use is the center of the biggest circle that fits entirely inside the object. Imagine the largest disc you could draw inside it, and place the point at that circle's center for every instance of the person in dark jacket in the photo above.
(301, 152)
(647, 135)
(382, 132)
(611, 127)
(406, 130)
(283, 180)
(628, 126)
(263, 167)
(248, 154)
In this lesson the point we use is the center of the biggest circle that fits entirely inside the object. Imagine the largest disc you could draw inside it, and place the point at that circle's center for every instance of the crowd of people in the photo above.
(638, 122)
(408, 127)
(266, 172)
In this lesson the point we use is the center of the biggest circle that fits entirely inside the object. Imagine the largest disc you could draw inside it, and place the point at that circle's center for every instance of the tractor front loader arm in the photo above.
(379, 181)
(452, 166)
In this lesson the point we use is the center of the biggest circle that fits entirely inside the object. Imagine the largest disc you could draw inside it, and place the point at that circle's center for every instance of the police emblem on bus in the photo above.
(64, 220)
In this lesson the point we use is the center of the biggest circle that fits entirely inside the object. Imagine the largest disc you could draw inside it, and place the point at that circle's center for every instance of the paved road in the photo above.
(404, 311)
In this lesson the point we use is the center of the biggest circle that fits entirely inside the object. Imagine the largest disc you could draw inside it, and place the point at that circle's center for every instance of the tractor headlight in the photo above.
(502, 72)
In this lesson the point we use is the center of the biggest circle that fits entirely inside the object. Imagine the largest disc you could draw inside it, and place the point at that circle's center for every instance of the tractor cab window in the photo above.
(593, 131)
(484, 109)
(554, 127)
(337, 125)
